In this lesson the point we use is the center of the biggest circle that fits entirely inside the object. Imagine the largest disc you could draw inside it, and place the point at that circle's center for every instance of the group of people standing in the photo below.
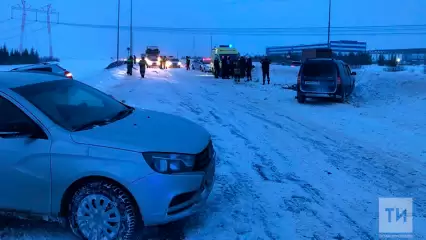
(235, 68)
(131, 61)
(239, 68)
(224, 67)
(163, 62)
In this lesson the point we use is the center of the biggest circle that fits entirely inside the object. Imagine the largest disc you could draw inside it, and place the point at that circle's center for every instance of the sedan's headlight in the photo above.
(170, 162)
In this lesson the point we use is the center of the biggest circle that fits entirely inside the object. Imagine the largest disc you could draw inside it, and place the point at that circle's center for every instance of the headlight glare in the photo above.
(170, 162)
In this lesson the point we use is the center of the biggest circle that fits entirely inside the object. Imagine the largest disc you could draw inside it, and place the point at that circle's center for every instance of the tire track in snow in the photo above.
(267, 170)
(317, 195)
(401, 179)
(237, 190)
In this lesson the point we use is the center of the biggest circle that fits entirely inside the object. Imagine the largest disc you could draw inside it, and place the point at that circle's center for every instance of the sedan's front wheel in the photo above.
(101, 210)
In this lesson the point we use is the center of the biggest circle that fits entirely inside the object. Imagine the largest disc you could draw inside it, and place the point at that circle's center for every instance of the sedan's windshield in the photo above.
(72, 104)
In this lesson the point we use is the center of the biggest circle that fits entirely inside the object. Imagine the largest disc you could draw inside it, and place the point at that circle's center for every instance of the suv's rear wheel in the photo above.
(301, 98)
(100, 210)
(342, 98)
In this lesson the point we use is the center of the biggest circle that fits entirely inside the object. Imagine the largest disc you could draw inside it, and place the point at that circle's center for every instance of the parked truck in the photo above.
(316, 53)
(152, 56)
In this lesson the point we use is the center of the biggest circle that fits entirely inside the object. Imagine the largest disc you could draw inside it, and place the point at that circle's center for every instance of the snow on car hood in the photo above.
(146, 130)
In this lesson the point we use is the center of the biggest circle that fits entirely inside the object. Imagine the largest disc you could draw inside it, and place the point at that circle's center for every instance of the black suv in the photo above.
(325, 77)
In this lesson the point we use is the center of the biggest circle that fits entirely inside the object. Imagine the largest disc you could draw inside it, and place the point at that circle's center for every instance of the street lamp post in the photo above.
(329, 23)
(131, 27)
(118, 31)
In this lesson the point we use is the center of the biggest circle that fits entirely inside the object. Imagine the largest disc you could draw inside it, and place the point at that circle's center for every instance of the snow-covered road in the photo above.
(291, 171)
(287, 171)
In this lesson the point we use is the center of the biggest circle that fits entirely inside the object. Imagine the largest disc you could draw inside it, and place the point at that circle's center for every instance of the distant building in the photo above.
(343, 46)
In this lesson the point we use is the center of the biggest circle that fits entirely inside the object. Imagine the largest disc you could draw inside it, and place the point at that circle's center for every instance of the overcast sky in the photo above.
(73, 42)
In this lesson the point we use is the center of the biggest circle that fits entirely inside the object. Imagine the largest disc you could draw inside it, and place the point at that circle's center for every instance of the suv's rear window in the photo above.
(42, 69)
(319, 69)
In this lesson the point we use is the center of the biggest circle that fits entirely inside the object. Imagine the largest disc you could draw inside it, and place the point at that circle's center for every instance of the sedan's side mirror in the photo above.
(353, 73)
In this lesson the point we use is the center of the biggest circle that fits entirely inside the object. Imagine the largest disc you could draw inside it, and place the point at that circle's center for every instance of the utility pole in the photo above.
(25, 10)
(118, 31)
(49, 29)
(193, 46)
(329, 23)
(131, 27)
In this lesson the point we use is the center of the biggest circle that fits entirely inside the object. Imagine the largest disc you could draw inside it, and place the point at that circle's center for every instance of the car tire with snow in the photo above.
(104, 209)
(301, 98)
(342, 98)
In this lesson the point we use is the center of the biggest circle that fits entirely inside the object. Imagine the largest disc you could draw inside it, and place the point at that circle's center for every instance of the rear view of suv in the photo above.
(325, 78)
(51, 68)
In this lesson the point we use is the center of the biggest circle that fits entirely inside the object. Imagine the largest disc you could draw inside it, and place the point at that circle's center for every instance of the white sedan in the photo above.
(69, 150)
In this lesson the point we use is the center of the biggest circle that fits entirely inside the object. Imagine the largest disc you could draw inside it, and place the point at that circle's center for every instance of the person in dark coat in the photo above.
(237, 71)
(164, 62)
(231, 66)
(216, 65)
(249, 69)
(265, 69)
(224, 67)
(130, 66)
(243, 67)
(161, 62)
(142, 67)
(134, 59)
(188, 63)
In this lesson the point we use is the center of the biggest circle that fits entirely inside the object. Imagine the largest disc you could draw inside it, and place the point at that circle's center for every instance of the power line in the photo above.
(421, 26)
(18, 35)
(419, 29)
(394, 27)
(6, 20)
(14, 28)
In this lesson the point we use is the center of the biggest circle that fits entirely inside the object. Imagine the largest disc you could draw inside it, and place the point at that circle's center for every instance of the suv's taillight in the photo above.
(68, 74)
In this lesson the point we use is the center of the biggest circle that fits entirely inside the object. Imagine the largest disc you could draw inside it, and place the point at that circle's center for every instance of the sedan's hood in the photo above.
(146, 130)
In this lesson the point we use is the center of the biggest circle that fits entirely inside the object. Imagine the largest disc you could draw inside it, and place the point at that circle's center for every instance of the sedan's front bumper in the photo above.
(164, 198)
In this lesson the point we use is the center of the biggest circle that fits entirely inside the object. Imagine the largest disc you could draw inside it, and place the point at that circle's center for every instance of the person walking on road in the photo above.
(142, 67)
(265, 69)
(130, 66)
(249, 69)
(134, 59)
(216, 65)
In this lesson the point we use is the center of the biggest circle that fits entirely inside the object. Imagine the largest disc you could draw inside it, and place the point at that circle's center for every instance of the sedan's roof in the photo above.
(14, 79)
